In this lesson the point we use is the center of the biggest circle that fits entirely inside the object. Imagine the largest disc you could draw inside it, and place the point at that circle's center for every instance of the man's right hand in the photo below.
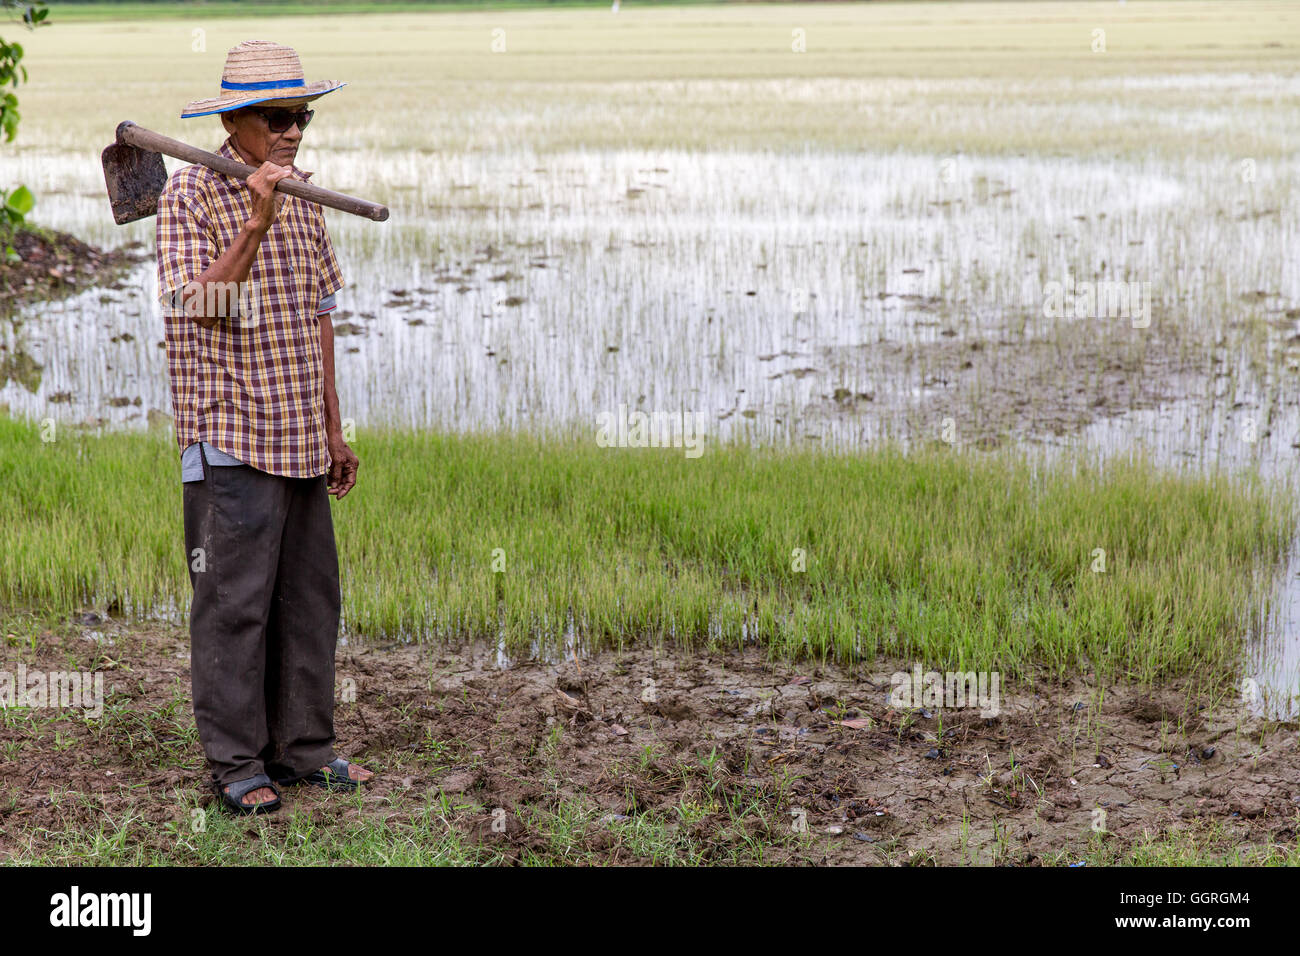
(266, 201)
(234, 264)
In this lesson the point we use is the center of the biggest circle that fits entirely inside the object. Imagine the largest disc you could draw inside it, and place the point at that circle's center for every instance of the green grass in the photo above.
(418, 832)
(212, 837)
(1202, 844)
(982, 561)
(414, 834)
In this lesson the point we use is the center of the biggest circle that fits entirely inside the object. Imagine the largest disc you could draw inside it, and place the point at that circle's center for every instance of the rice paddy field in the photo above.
(989, 314)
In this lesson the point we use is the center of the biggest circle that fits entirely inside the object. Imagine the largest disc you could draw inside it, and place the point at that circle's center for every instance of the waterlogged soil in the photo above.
(983, 390)
(52, 265)
(816, 766)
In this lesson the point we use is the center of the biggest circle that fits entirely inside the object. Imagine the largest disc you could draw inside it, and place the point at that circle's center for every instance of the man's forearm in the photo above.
(233, 265)
(333, 424)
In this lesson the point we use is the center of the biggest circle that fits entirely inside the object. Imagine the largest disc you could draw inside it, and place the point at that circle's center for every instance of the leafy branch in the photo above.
(15, 203)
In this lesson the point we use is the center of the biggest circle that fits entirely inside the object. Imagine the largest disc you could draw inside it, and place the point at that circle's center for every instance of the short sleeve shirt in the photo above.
(252, 386)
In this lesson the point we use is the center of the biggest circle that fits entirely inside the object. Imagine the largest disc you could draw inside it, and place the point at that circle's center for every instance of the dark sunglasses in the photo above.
(278, 121)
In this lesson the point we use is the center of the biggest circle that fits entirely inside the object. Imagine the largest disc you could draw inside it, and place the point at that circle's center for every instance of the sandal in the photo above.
(334, 777)
(234, 798)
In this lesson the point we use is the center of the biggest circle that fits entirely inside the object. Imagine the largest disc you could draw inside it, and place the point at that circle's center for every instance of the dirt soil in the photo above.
(875, 784)
(55, 265)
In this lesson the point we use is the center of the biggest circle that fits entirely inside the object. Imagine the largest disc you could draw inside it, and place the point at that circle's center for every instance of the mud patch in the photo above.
(727, 751)
(54, 265)
(1015, 385)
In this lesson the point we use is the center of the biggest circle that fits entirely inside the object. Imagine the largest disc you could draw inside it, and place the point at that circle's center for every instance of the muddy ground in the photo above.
(1000, 387)
(793, 741)
(53, 265)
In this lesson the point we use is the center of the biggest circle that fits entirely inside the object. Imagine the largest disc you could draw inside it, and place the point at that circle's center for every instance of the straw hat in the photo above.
(259, 71)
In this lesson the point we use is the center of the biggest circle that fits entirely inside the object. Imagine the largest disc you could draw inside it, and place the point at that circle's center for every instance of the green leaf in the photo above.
(20, 201)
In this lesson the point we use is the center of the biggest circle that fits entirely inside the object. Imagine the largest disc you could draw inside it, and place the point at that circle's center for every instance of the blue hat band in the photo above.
(267, 85)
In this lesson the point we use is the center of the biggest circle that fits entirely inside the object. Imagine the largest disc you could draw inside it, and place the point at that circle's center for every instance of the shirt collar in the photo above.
(228, 150)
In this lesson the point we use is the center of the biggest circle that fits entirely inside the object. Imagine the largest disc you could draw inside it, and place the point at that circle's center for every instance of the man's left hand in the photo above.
(343, 467)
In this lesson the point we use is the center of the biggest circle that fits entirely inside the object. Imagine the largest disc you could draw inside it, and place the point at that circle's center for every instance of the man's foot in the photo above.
(255, 797)
(338, 774)
(255, 794)
(359, 774)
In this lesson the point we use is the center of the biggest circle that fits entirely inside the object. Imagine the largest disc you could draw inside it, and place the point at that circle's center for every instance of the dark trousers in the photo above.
(264, 622)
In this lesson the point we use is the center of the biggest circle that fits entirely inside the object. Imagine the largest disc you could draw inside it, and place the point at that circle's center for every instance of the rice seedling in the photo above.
(981, 561)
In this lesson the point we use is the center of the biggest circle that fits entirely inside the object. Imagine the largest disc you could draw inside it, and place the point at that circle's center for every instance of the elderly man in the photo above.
(257, 420)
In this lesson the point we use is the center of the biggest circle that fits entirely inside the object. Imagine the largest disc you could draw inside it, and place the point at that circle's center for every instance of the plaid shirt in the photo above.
(255, 387)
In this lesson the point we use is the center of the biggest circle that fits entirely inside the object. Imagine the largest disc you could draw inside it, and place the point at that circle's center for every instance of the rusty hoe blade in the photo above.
(135, 179)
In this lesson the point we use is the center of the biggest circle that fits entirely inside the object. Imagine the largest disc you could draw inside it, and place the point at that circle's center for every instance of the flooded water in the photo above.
(785, 298)
(1225, 432)
(831, 298)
